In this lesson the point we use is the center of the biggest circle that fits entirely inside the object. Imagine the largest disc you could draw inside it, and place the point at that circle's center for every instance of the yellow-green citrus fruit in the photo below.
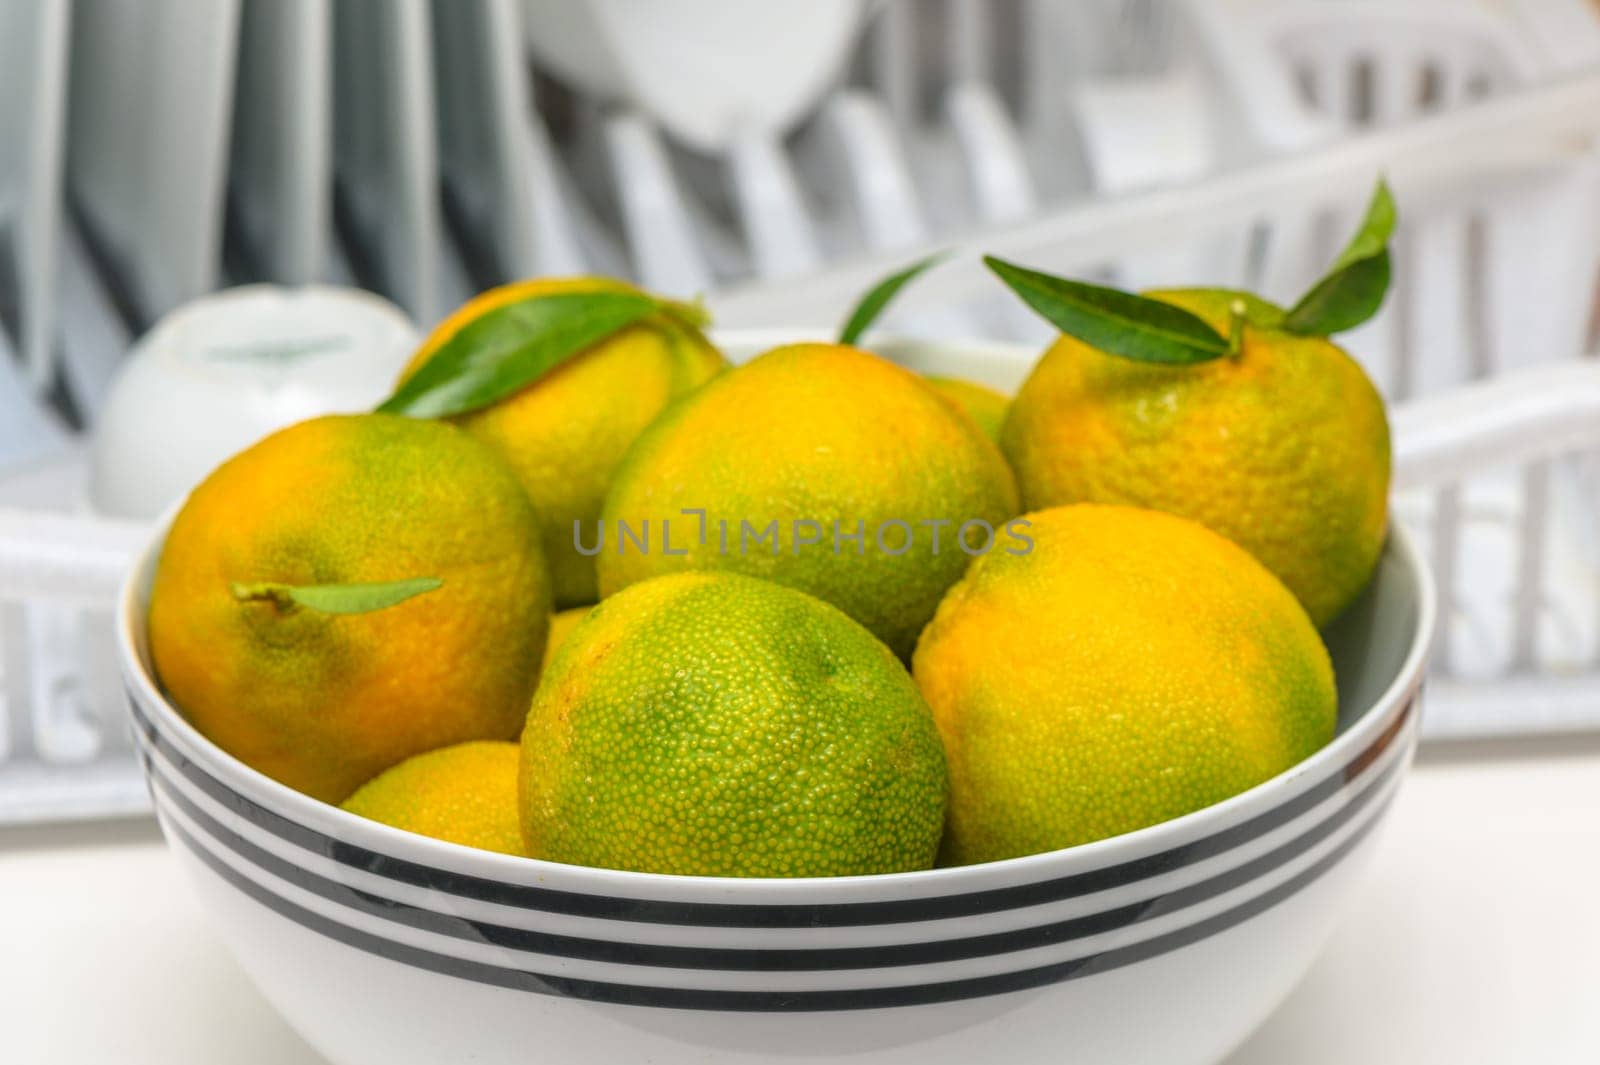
(1283, 449)
(465, 794)
(565, 433)
(561, 626)
(1131, 668)
(719, 725)
(324, 702)
(821, 467)
(986, 406)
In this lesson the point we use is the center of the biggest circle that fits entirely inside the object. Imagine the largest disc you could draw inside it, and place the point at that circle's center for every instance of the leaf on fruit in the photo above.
(1355, 286)
(1116, 322)
(877, 298)
(509, 347)
(337, 598)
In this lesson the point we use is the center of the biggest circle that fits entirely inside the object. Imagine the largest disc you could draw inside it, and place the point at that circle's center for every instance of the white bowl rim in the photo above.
(888, 345)
(455, 859)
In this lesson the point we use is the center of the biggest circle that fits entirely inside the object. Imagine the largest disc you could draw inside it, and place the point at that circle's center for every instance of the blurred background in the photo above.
(776, 159)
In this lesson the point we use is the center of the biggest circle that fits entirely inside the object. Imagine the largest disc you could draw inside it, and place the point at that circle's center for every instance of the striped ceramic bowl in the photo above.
(1164, 945)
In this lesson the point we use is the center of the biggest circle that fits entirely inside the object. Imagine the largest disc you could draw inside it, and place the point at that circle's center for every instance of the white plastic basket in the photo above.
(972, 126)
(67, 754)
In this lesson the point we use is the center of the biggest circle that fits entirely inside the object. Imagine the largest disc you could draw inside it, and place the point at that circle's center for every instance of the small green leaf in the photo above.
(877, 298)
(506, 348)
(1116, 322)
(336, 598)
(1354, 287)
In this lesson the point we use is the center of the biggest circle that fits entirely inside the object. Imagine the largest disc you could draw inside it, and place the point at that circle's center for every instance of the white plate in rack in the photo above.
(149, 140)
(281, 186)
(385, 152)
(33, 89)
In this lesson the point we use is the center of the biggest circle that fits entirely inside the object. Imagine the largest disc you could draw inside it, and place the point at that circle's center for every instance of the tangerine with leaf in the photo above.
(1220, 407)
(347, 593)
(559, 375)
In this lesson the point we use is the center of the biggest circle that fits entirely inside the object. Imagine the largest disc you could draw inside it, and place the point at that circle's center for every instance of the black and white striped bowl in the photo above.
(1164, 945)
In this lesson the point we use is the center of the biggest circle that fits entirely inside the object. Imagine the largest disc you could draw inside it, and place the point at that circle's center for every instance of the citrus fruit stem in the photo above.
(1236, 317)
(276, 594)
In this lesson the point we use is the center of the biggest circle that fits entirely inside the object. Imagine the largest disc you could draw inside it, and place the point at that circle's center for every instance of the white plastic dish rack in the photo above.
(271, 145)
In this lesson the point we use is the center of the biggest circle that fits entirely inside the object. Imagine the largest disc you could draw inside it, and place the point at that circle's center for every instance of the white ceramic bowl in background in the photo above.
(222, 371)
(707, 70)
(1169, 944)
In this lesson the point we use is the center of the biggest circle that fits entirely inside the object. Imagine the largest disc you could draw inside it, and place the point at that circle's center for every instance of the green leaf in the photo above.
(1116, 322)
(337, 598)
(877, 298)
(507, 348)
(1354, 287)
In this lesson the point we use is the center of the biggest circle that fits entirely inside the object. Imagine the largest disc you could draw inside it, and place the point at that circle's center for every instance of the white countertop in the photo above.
(1476, 938)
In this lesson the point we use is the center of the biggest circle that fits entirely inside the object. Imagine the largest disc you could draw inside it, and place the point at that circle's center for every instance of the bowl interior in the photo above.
(1374, 641)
